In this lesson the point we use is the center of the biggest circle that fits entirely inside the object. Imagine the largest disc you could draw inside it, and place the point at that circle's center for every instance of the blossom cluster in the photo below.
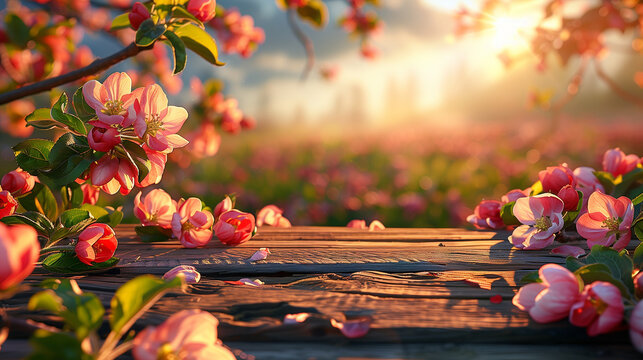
(237, 32)
(599, 217)
(138, 121)
(362, 24)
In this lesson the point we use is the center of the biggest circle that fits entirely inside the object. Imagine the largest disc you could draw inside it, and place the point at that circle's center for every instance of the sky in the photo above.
(420, 68)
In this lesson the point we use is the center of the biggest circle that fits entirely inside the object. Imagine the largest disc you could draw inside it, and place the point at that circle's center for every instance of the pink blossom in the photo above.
(18, 182)
(357, 224)
(19, 251)
(12, 119)
(7, 203)
(157, 167)
(636, 327)
(188, 334)
(552, 299)
(90, 193)
(487, 215)
(104, 140)
(587, 183)
(617, 163)
(203, 10)
(514, 195)
(272, 215)
(112, 100)
(235, 227)
(96, 244)
(189, 273)
(555, 177)
(205, 141)
(599, 308)
(542, 218)
(223, 206)
(607, 221)
(191, 224)
(114, 174)
(569, 196)
(157, 208)
(156, 122)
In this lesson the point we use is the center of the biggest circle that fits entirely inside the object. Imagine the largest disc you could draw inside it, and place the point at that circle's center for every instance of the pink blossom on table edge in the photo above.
(542, 218)
(191, 224)
(357, 224)
(157, 208)
(587, 183)
(599, 308)
(7, 203)
(607, 221)
(189, 273)
(486, 215)
(224, 205)
(617, 163)
(19, 252)
(552, 299)
(96, 244)
(570, 197)
(515, 194)
(192, 332)
(272, 215)
(555, 178)
(234, 227)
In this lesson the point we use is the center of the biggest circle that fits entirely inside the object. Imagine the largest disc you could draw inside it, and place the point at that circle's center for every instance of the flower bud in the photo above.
(138, 14)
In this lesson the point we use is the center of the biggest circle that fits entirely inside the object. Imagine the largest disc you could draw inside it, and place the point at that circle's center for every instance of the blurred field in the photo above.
(405, 176)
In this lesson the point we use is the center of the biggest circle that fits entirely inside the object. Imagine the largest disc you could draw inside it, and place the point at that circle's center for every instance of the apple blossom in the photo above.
(514, 195)
(157, 167)
(188, 334)
(272, 215)
(18, 182)
(112, 100)
(607, 221)
(96, 244)
(234, 227)
(552, 299)
(104, 140)
(156, 122)
(138, 14)
(555, 178)
(224, 205)
(189, 273)
(357, 224)
(203, 10)
(19, 251)
(487, 215)
(191, 224)
(599, 308)
(587, 183)
(7, 203)
(636, 327)
(542, 218)
(113, 174)
(569, 196)
(617, 163)
(157, 208)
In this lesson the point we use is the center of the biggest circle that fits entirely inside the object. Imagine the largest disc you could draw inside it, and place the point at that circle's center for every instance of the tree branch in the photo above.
(96, 66)
(305, 41)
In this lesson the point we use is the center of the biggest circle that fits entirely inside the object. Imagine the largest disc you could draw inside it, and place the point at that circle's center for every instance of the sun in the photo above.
(506, 32)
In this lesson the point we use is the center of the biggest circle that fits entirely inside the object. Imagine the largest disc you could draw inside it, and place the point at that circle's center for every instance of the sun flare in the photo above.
(506, 32)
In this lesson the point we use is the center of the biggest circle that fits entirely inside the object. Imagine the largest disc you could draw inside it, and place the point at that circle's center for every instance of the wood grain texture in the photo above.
(423, 288)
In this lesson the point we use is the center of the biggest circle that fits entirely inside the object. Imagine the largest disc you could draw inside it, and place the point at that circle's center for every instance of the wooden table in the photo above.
(427, 290)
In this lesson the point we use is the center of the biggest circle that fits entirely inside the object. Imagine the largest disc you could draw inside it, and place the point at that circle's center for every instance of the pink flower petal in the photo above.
(261, 254)
(568, 250)
(353, 328)
(296, 318)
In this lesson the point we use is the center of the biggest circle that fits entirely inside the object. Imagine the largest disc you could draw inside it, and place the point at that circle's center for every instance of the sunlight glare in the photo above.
(506, 33)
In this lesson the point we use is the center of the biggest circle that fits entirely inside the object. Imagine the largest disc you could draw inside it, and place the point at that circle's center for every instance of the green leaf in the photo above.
(638, 230)
(572, 264)
(34, 219)
(68, 171)
(507, 214)
(41, 119)
(56, 346)
(72, 217)
(72, 195)
(72, 122)
(42, 200)
(179, 12)
(637, 200)
(637, 259)
(606, 179)
(627, 181)
(601, 272)
(178, 50)
(149, 32)
(314, 12)
(620, 264)
(68, 263)
(69, 158)
(532, 277)
(17, 30)
(120, 22)
(82, 109)
(104, 215)
(138, 156)
(153, 233)
(199, 41)
(96, 211)
(82, 312)
(134, 298)
(33, 154)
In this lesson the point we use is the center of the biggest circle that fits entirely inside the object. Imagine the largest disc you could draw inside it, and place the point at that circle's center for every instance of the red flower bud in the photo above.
(138, 14)
(569, 196)
(97, 243)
